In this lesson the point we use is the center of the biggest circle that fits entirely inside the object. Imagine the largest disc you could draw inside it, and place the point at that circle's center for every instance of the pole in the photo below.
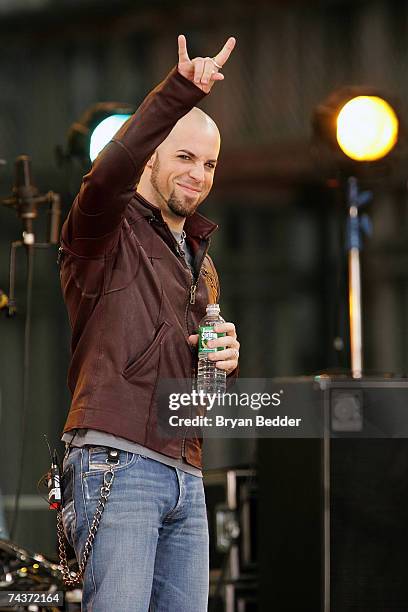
(356, 338)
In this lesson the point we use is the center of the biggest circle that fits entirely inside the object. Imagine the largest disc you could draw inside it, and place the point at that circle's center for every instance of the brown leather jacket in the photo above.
(131, 298)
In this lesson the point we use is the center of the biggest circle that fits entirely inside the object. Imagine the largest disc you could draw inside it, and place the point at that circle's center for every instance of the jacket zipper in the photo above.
(193, 290)
(191, 300)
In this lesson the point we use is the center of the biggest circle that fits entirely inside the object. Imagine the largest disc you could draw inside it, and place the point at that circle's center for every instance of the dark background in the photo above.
(279, 247)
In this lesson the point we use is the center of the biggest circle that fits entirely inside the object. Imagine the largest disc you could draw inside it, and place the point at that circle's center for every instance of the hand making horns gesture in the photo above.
(203, 71)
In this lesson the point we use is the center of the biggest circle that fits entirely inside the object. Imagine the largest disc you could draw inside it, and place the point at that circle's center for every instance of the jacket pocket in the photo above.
(134, 369)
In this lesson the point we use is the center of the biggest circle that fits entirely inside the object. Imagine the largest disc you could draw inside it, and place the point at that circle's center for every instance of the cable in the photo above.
(43, 481)
(26, 384)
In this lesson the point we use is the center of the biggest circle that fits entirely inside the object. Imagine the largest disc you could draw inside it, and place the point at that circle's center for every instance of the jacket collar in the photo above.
(196, 226)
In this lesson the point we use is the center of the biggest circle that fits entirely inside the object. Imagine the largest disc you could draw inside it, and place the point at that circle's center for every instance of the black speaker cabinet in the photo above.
(333, 509)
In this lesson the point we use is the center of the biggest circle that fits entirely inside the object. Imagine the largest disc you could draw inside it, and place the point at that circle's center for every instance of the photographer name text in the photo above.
(233, 423)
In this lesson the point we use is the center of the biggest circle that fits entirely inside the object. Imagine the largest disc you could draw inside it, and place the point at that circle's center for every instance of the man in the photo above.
(136, 279)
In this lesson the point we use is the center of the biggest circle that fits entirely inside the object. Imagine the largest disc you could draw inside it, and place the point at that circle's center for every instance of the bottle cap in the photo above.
(213, 309)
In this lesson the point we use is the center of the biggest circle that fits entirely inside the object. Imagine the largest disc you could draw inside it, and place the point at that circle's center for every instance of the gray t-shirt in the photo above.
(186, 250)
(93, 437)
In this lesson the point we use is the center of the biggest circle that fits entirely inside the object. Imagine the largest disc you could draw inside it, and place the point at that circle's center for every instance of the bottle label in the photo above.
(204, 335)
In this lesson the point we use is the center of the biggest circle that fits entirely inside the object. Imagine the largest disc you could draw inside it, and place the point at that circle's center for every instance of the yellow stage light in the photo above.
(367, 128)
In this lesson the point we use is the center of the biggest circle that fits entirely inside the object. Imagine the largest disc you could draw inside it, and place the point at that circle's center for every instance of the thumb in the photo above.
(193, 339)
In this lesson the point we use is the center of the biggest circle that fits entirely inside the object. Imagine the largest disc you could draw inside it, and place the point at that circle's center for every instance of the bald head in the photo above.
(179, 175)
(195, 125)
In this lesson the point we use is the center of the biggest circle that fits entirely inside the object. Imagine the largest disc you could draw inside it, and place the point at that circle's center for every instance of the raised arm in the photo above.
(95, 218)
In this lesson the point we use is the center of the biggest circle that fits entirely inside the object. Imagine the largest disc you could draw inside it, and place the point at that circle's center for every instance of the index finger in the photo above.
(182, 49)
(225, 52)
(227, 327)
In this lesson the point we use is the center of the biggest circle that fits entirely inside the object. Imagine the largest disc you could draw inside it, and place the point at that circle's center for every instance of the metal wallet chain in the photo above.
(75, 580)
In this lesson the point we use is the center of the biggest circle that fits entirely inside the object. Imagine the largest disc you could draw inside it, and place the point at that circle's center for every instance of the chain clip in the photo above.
(74, 579)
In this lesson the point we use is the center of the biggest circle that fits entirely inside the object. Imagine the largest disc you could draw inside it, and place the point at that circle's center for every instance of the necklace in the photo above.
(182, 239)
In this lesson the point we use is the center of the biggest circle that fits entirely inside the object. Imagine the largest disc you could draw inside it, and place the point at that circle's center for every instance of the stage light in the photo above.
(104, 132)
(361, 129)
(95, 128)
(360, 124)
(367, 128)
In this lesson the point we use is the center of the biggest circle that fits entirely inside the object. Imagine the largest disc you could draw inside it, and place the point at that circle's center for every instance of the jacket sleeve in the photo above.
(94, 222)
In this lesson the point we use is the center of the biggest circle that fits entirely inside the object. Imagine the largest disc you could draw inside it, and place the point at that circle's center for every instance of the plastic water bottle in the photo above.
(210, 379)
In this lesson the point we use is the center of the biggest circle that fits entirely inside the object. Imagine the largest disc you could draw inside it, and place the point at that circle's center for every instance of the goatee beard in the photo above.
(179, 208)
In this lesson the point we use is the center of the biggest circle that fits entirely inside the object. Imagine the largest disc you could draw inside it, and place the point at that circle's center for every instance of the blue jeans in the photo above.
(151, 550)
